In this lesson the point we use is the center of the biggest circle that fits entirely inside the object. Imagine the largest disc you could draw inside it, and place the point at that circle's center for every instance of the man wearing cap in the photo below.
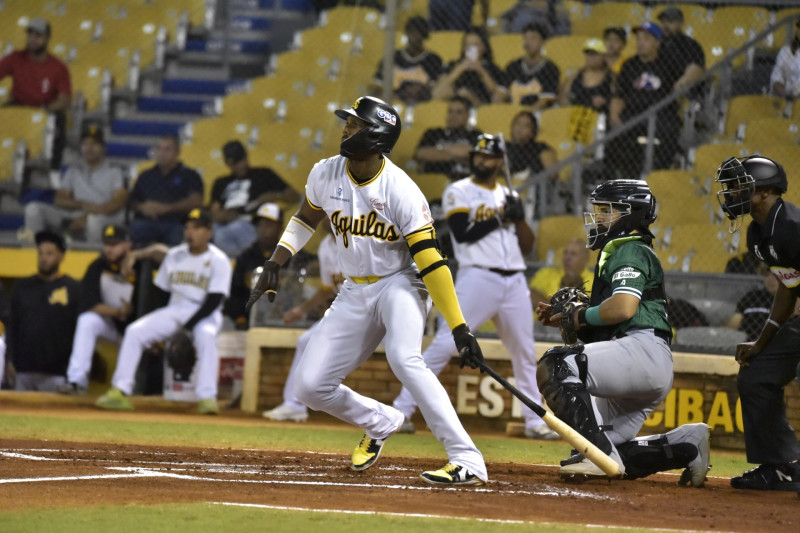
(44, 308)
(92, 194)
(533, 79)
(615, 38)
(267, 223)
(105, 306)
(684, 53)
(197, 276)
(590, 87)
(415, 68)
(163, 196)
(236, 197)
(644, 80)
(40, 80)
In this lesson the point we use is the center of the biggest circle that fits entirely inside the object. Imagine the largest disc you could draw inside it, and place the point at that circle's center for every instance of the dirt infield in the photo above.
(41, 474)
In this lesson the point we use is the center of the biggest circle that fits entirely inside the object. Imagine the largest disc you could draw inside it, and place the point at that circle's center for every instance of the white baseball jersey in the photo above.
(328, 261)
(189, 278)
(369, 220)
(500, 248)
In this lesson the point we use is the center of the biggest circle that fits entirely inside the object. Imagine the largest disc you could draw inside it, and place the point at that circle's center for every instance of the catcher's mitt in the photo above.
(180, 354)
(565, 301)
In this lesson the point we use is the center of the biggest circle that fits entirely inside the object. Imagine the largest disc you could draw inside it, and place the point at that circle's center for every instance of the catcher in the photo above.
(606, 388)
(197, 275)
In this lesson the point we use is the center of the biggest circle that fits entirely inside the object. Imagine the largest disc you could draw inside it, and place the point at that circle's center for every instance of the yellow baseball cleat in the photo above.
(366, 453)
(451, 474)
(114, 400)
(208, 406)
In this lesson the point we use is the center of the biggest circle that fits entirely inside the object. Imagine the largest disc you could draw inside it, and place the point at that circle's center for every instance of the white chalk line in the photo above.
(450, 518)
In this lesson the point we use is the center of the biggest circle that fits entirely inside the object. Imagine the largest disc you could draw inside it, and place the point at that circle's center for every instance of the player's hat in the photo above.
(652, 28)
(51, 236)
(200, 216)
(114, 234)
(93, 131)
(594, 45)
(233, 152)
(39, 25)
(268, 211)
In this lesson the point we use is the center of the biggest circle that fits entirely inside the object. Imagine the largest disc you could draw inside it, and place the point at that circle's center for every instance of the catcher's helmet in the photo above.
(379, 136)
(739, 178)
(629, 204)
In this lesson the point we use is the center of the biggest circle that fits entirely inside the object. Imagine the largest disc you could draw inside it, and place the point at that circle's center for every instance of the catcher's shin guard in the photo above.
(645, 457)
(569, 400)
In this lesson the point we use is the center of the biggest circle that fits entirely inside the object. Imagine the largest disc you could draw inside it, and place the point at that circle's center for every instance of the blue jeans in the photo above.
(145, 232)
(234, 237)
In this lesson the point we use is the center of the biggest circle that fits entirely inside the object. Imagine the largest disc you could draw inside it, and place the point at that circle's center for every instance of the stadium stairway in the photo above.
(195, 78)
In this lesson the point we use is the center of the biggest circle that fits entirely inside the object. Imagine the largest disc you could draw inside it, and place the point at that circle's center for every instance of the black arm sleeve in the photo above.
(211, 302)
(465, 231)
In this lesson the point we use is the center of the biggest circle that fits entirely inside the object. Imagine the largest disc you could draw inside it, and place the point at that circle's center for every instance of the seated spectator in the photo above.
(446, 150)
(682, 52)
(106, 307)
(449, 15)
(590, 86)
(571, 273)
(92, 195)
(474, 75)
(235, 198)
(163, 196)
(41, 80)
(746, 263)
(683, 314)
(785, 78)
(644, 80)
(752, 309)
(526, 155)
(43, 312)
(268, 223)
(550, 14)
(615, 38)
(416, 69)
(532, 79)
(4, 303)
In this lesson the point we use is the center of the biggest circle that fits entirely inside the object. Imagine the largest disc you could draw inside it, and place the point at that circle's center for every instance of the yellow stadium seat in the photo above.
(206, 158)
(566, 51)
(138, 30)
(330, 42)
(432, 185)
(606, 14)
(352, 19)
(88, 79)
(708, 157)
(762, 133)
(554, 232)
(28, 124)
(678, 199)
(447, 44)
(506, 48)
(576, 10)
(695, 248)
(497, 118)
(431, 114)
(779, 36)
(5, 89)
(8, 150)
(788, 155)
(569, 121)
(408, 9)
(728, 29)
(493, 20)
(403, 152)
(743, 108)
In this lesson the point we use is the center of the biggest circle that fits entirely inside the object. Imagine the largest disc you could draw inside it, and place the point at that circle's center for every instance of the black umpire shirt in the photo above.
(42, 324)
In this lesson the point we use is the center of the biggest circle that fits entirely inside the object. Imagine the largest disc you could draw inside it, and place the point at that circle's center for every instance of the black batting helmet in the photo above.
(489, 145)
(631, 206)
(739, 178)
(379, 136)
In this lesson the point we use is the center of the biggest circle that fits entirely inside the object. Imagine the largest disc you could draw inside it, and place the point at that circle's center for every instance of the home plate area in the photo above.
(53, 474)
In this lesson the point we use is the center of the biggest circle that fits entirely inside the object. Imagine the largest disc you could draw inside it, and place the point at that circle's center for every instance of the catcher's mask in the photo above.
(380, 134)
(618, 208)
(739, 178)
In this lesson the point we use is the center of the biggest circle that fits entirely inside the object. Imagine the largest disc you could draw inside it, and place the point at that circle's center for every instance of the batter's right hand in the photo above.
(746, 351)
(267, 282)
(468, 349)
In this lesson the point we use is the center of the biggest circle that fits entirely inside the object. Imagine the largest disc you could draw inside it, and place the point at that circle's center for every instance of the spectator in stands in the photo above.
(449, 15)
(785, 78)
(4, 304)
(532, 79)
(235, 198)
(746, 263)
(551, 15)
(268, 223)
(92, 195)
(474, 75)
(644, 80)
(752, 309)
(446, 150)
(615, 38)
(163, 196)
(571, 273)
(684, 53)
(525, 153)
(416, 69)
(44, 308)
(105, 308)
(590, 86)
(40, 80)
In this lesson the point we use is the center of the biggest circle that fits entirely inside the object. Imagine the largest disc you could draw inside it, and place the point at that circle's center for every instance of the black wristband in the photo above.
(582, 317)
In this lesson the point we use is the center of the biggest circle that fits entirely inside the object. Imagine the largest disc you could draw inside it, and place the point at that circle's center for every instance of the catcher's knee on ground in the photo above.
(566, 393)
(645, 457)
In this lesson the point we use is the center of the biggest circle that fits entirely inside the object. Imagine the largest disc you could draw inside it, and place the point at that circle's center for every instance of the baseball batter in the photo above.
(378, 216)
(608, 387)
(197, 275)
(490, 238)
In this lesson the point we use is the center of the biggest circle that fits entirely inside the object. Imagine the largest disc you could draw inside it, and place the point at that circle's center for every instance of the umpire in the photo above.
(754, 186)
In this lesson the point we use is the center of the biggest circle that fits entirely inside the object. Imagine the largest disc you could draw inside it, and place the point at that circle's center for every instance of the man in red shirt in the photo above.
(40, 80)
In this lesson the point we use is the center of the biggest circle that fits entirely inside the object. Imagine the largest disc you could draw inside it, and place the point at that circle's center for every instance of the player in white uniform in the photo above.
(197, 275)
(330, 274)
(490, 236)
(378, 215)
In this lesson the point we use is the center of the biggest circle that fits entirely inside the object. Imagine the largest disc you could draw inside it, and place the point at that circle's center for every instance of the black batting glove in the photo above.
(468, 350)
(267, 283)
(513, 210)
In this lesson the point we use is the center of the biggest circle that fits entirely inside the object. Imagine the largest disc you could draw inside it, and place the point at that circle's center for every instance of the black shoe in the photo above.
(71, 389)
(573, 458)
(769, 477)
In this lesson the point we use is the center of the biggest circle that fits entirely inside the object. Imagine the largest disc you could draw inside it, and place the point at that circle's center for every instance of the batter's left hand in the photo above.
(267, 282)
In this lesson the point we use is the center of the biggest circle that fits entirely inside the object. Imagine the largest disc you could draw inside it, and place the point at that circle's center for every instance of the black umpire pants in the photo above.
(768, 437)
